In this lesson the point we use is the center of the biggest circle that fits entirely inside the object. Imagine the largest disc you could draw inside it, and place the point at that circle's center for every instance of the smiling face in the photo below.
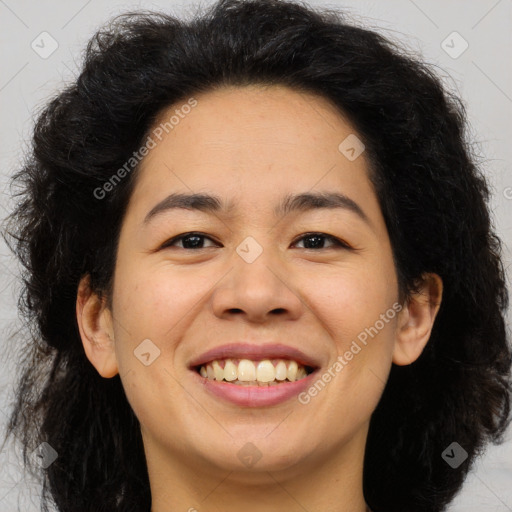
(252, 272)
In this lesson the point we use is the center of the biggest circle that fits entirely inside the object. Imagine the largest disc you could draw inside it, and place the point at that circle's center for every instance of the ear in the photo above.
(96, 330)
(416, 319)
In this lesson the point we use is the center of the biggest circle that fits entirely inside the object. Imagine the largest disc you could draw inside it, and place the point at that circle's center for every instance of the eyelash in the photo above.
(337, 242)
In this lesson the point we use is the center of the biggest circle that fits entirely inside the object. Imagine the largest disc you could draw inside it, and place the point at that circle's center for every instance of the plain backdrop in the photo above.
(469, 42)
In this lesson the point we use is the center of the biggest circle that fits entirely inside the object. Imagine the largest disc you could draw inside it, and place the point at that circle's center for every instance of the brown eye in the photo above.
(190, 240)
(317, 240)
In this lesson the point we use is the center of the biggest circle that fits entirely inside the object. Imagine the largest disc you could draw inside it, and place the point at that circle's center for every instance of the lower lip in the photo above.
(256, 396)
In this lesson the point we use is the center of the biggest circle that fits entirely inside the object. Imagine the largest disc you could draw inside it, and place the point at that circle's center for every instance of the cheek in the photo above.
(151, 299)
(350, 300)
(355, 308)
(151, 304)
(157, 302)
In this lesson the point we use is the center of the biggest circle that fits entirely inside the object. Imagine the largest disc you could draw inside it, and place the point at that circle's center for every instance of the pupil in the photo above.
(197, 242)
(318, 242)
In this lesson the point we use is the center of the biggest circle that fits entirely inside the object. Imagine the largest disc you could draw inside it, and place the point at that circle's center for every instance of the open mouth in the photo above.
(249, 372)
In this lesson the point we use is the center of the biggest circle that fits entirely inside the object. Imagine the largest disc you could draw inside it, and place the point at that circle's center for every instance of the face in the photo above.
(319, 279)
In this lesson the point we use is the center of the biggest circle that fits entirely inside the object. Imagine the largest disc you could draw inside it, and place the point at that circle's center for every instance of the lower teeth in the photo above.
(255, 382)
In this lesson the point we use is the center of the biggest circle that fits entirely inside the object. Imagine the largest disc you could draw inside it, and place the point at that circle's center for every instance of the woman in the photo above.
(261, 273)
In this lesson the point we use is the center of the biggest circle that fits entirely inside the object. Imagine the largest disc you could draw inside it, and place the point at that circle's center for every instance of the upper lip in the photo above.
(256, 352)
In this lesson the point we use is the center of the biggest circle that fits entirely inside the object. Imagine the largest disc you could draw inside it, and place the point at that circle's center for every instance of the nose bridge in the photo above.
(258, 283)
(257, 270)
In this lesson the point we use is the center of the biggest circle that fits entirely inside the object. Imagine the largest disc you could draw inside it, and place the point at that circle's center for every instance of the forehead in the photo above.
(252, 143)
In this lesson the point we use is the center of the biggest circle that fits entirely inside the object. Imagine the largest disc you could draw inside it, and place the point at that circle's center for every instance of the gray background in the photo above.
(481, 75)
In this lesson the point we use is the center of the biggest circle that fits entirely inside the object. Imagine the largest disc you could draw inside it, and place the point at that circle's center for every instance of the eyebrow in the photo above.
(290, 203)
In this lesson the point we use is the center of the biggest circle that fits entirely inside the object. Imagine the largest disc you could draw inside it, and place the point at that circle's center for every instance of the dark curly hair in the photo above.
(432, 195)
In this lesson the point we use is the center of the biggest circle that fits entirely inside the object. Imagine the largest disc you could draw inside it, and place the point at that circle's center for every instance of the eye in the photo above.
(317, 241)
(194, 240)
(190, 240)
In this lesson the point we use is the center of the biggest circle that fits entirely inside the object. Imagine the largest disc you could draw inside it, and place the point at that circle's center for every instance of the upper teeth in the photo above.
(246, 370)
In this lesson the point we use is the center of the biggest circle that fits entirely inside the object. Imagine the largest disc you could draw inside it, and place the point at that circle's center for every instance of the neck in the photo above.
(329, 482)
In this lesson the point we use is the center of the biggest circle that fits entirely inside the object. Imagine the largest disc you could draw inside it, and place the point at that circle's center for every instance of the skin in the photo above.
(253, 145)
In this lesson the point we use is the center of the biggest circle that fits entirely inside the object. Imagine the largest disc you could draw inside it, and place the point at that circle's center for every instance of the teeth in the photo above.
(230, 371)
(218, 372)
(265, 372)
(246, 370)
(281, 370)
(292, 371)
(249, 373)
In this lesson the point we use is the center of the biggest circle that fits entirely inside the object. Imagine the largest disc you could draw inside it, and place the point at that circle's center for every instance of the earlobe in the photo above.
(96, 329)
(416, 320)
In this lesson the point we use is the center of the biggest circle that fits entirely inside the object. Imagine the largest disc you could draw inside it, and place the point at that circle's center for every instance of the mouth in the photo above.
(249, 375)
(254, 372)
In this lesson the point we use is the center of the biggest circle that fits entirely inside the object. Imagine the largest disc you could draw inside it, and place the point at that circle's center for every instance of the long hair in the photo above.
(431, 191)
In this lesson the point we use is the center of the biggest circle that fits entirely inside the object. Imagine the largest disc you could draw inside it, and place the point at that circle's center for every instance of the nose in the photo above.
(258, 291)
